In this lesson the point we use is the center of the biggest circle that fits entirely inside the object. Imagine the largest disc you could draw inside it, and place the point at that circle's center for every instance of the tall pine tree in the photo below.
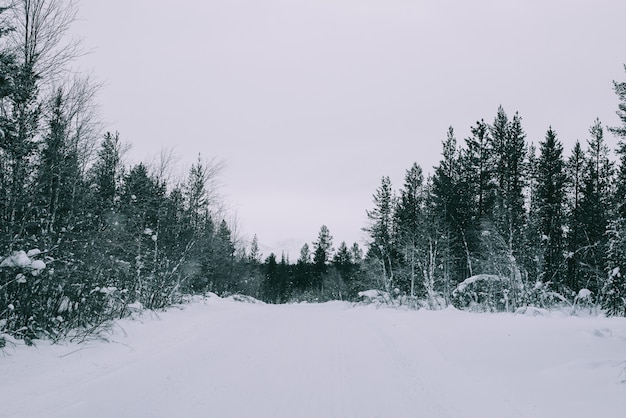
(550, 199)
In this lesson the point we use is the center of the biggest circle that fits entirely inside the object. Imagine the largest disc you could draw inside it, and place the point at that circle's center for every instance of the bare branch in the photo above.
(40, 39)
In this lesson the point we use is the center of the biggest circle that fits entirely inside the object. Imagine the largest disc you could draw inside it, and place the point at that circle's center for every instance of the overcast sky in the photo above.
(310, 102)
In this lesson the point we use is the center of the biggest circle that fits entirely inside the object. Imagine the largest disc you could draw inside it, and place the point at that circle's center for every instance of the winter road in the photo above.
(227, 359)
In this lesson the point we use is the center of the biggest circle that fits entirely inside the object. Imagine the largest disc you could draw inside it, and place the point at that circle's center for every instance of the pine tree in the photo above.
(532, 258)
(452, 205)
(107, 173)
(575, 237)
(322, 254)
(614, 290)
(19, 124)
(303, 279)
(550, 206)
(478, 162)
(342, 258)
(501, 236)
(196, 195)
(381, 228)
(509, 153)
(50, 177)
(223, 260)
(594, 206)
(620, 131)
(620, 91)
(356, 253)
(270, 282)
(255, 254)
(409, 222)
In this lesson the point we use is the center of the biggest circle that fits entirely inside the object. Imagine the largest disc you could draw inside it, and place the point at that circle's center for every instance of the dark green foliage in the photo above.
(614, 288)
(381, 229)
(550, 200)
(594, 209)
(576, 236)
(509, 153)
(452, 201)
(620, 91)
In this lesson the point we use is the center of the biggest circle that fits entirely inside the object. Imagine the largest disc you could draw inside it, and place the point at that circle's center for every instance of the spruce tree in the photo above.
(381, 231)
(620, 90)
(409, 224)
(532, 258)
(58, 171)
(303, 278)
(255, 253)
(452, 203)
(478, 166)
(614, 290)
(550, 198)
(509, 155)
(576, 235)
(271, 279)
(322, 254)
(107, 173)
(594, 206)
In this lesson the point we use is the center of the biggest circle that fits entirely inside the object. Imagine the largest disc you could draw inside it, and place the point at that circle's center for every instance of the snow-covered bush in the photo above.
(376, 297)
(482, 292)
(541, 295)
(584, 300)
(23, 275)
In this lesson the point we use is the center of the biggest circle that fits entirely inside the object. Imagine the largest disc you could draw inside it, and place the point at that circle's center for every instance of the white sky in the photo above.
(310, 102)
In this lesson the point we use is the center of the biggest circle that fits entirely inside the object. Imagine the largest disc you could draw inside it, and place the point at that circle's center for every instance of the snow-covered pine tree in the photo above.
(614, 290)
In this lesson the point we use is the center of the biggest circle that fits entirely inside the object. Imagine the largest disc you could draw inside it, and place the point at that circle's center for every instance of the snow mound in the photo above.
(477, 278)
(532, 311)
(244, 299)
(374, 296)
(135, 307)
(34, 252)
(372, 293)
(584, 294)
(23, 260)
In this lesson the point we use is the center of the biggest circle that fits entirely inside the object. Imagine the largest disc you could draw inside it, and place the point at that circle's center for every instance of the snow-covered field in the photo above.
(221, 358)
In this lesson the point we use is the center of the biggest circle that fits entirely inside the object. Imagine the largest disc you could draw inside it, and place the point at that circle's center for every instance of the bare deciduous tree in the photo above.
(41, 38)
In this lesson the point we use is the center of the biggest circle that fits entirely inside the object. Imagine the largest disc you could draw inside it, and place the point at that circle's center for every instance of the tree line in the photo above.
(83, 238)
(501, 225)
(321, 273)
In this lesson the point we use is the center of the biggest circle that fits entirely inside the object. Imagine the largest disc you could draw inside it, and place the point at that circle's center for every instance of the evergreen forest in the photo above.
(500, 224)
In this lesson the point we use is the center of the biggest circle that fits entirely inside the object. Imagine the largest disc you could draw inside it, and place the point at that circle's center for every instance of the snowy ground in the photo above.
(219, 358)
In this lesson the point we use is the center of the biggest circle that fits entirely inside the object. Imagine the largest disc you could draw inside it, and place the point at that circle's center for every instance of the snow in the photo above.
(223, 358)
(37, 265)
(34, 252)
(584, 294)
(372, 293)
(17, 259)
(479, 277)
(22, 259)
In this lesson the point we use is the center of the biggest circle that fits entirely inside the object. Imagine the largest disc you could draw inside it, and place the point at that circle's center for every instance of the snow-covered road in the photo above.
(220, 358)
